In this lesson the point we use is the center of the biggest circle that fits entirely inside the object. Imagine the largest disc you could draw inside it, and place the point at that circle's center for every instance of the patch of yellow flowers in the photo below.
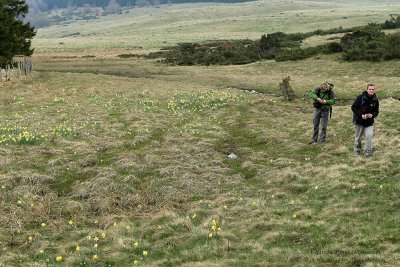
(18, 135)
(215, 228)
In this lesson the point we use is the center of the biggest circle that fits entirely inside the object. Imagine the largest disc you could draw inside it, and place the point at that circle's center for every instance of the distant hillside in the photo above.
(52, 4)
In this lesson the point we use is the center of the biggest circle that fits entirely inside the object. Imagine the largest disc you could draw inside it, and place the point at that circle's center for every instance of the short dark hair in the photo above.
(370, 84)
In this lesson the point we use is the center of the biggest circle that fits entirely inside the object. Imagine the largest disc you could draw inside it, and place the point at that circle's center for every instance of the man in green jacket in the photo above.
(324, 98)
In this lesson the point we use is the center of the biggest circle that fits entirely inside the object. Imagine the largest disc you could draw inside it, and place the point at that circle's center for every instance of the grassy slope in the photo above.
(148, 28)
(138, 151)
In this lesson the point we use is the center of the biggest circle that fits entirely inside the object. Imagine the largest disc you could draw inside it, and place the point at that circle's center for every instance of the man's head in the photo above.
(324, 86)
(371, 89)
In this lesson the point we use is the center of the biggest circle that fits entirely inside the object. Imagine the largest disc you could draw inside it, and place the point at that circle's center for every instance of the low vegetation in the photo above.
(121, 161)
(358, 43)
(115, 168)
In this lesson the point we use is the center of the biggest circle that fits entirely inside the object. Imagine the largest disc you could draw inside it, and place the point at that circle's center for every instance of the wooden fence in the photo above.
(20, 66)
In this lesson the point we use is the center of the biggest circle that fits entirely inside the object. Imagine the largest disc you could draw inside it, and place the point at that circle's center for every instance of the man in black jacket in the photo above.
(365, 108)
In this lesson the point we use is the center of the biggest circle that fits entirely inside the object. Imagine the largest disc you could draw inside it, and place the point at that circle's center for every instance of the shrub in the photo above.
(368, 43)
(286, 89)
(393, 47)
(393, 23)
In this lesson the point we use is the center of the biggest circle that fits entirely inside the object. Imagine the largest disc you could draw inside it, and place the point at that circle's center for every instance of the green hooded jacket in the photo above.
(329, 96)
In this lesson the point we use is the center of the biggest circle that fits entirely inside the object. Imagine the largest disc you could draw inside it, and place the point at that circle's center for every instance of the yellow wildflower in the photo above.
(96, 238)
(78, 248)
(135, 262)
(95, 257)
(136, 244)
(145, 253)
(95, 245)
(70, 222)
(43, 225)
(59, 258)
(103, 235)
(41, 251)
(210, 235)
(30, 238)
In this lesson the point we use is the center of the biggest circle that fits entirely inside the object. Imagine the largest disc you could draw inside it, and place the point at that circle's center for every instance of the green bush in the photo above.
(359, 43)
(393, 47)
(368, 43)
(393, 23)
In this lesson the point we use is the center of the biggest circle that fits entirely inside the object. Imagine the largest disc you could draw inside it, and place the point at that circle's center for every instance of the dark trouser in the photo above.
(320, 117)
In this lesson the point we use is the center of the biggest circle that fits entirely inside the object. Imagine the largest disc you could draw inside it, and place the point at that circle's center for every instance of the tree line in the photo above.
(52, 4)
(368, 42)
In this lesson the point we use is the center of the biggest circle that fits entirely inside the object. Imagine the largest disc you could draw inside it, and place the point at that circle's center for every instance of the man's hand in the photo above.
(366, 116)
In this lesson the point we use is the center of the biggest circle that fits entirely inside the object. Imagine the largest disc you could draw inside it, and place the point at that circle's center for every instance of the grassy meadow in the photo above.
(120, 162)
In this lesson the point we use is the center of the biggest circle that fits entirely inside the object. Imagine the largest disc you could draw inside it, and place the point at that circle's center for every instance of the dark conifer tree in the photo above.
(15, 35)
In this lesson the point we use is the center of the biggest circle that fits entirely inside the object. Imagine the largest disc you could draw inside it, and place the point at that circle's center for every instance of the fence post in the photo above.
(29, 66)
(6, 72)
(19, 69)
(12, 70)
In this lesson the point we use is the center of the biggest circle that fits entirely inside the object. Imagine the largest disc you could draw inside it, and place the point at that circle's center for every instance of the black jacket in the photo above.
(365, 104)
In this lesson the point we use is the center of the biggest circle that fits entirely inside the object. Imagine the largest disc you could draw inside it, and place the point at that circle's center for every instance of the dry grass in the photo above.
(143, 29)
(133, 153)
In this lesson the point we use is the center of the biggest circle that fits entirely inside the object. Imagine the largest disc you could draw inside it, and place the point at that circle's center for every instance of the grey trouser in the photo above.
(320, 116)
(360, 131)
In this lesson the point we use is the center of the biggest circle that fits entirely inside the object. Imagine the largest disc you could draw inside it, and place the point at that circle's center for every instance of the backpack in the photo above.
(329, 92)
